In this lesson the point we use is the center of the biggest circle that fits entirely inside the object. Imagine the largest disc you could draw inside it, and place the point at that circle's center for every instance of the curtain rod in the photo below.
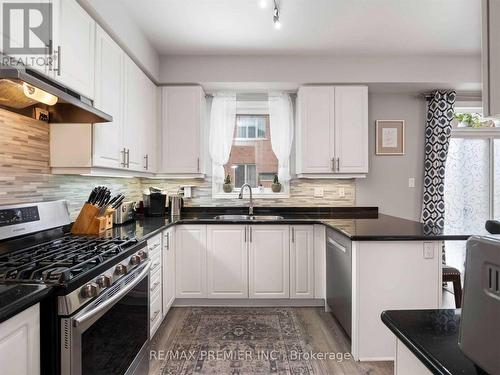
(461, 95)
(249, 98)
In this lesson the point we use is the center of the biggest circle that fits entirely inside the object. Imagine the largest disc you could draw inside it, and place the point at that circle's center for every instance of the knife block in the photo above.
(108, 216)
(88, 222)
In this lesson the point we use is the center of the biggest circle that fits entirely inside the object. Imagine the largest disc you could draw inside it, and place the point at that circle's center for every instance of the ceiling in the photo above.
(310, 27)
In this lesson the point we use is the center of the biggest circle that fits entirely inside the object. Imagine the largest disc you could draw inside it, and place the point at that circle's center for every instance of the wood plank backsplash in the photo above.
(25, 176)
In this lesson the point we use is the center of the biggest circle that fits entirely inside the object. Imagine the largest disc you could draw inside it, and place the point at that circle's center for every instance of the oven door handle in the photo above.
(109, 302)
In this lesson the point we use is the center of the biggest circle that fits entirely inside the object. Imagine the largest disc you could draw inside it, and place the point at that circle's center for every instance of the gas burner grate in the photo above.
(61, 260)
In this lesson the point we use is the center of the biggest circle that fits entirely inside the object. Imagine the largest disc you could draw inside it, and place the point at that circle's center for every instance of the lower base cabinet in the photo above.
(20, 343)
(227, 261)
(191, 261)
(269, 261)
(302, 261)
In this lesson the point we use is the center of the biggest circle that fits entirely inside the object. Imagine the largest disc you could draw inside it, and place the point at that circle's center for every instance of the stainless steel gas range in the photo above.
(97, 321)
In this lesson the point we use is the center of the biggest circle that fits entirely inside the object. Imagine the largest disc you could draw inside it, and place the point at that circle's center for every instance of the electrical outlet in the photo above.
(428, 250)
(341, 193)
(319, 192)
(411, 182)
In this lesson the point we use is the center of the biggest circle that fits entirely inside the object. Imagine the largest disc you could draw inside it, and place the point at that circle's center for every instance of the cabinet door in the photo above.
(191, 261)
(227, 258)
(74, 32)
(20, 343)
(109, 74)
(315, 131)
(351, 129)
(134, 115)
(302, 261)
(150, 133)
(168, 270)
(181, 127)
(269, 261)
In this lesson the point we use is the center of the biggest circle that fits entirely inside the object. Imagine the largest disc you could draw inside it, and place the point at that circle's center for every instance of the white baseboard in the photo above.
(221, 302)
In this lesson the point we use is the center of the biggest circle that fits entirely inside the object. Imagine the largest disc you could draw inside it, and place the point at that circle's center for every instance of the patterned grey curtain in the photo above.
(440, 111)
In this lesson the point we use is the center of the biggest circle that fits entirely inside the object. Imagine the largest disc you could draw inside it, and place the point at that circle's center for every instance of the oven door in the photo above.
(111, 335)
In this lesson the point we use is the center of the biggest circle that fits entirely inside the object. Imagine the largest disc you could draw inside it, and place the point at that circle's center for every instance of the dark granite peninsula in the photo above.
(427, 342)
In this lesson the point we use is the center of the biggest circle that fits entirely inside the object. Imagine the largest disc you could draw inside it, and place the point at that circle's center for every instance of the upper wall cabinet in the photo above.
(109, 80)
(491, 57)
(332, 132)
(74, 32)
(183, 116)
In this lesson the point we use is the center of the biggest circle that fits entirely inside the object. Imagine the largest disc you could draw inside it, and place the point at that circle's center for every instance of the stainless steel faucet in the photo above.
(250, 207)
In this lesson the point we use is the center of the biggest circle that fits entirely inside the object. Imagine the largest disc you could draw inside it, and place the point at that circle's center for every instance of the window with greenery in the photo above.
(472, 179)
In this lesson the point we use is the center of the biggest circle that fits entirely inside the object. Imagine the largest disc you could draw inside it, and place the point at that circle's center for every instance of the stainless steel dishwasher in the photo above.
(339, 278)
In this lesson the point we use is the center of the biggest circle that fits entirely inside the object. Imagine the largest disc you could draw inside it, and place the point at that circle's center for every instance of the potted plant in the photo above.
(276, 186)
(468, 120)
(227, 187)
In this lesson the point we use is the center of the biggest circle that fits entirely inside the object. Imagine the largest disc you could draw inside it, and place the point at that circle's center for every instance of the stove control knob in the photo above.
(143, 254)
(121, 269)
(104, 281)
(89, 290)
(135, 260)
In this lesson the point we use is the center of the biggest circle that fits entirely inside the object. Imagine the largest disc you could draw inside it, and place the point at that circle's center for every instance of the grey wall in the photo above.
(387, 183)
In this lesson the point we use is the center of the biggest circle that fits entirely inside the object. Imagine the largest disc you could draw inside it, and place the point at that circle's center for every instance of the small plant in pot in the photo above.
(468, 120)
(276, 186)
(227, 187)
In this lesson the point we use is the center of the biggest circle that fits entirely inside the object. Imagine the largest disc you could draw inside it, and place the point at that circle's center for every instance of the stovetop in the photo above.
(63, 261)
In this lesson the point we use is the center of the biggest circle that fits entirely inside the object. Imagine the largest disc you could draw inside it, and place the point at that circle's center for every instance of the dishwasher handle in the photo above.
(336, 244)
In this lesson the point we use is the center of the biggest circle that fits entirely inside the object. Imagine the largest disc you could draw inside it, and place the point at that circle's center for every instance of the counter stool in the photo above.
(452, 275)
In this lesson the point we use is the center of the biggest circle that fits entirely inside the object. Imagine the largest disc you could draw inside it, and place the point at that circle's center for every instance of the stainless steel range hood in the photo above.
(29, 93)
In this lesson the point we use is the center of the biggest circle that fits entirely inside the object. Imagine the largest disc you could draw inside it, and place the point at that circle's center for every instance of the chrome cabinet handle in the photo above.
(123, 163)
(154, 266)
(146, 164)
(127, 154)
(155, 315)
(198, 164)
(250, 228)
(338, 164)
(153, 287)
(293, 234)
(168, 240)
(333, 164)
(245, 234)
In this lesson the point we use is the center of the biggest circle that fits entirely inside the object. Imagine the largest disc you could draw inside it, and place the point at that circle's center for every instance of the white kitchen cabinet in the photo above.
(315, 131)
(155, 282)
(332, 132)
(269, 261)
(302, 261)
(191, 261)
(150, 145)
(491, 57)
(183, 116)
(135, 118)
(351, 129)
(109, 86)
(168, 269)
(20, 343)
(74, 33)
(227, 261)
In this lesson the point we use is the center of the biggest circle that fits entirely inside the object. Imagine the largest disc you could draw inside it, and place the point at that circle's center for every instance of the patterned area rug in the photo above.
(221, 340)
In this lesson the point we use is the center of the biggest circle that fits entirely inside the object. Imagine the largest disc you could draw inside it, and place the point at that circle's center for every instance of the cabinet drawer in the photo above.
(154, 243)
(155, 282)
(155, 315)
(155, 263)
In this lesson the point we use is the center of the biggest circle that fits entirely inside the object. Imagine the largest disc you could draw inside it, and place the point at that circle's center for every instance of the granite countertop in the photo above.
(357, 223)
(432, 335)
(15, 298)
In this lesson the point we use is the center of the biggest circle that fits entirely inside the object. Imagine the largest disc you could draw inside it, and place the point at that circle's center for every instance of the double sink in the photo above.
(248, 217)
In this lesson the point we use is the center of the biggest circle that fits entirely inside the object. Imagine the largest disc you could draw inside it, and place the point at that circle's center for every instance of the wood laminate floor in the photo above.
(320, 330)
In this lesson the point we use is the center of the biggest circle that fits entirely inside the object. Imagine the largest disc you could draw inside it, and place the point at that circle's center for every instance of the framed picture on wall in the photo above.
(390, 137)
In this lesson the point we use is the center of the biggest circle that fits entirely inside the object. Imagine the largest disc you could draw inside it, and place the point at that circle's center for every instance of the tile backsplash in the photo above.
(25, 176)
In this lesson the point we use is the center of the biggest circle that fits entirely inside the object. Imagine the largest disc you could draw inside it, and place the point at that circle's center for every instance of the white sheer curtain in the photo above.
(281, 123)
(222, 122)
